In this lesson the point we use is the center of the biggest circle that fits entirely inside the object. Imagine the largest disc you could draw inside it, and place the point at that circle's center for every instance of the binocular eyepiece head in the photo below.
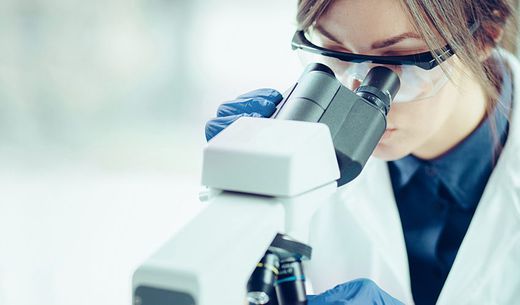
(356, 119)
(380, 85)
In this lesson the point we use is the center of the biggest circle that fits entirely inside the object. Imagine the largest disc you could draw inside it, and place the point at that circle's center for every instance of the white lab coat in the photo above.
(359, 234)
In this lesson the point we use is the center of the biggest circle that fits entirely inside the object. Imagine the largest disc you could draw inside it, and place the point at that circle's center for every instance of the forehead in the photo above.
(357, 21)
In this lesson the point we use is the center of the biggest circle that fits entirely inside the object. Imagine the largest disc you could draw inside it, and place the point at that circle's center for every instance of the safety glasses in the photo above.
(420, 74)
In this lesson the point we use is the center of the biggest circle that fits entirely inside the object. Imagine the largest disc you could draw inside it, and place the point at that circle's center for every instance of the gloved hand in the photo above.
(357, 292)
(257, 103)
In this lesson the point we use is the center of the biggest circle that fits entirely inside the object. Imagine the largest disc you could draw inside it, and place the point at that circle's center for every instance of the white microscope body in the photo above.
(264, 177)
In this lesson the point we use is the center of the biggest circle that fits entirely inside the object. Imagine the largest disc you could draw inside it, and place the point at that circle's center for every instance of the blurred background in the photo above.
(102, 113)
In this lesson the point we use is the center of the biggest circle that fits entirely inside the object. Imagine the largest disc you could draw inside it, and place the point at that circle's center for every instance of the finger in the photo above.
(262, 101)
(359, 292)
(350, 289)
(216, 125)
(257, 104)
(270, 94)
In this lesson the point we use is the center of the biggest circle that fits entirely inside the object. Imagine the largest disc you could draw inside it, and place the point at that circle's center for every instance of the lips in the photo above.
(388, 133)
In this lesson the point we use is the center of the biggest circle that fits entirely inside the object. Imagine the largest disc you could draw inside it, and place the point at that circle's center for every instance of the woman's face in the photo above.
(419, 127)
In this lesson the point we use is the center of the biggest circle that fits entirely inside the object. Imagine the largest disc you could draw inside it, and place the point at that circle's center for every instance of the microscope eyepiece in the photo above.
(380, 87)
(318, 67)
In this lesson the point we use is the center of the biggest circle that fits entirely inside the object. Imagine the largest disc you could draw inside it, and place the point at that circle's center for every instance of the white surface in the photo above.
(213, 257)
(270, 157)
(76, 236)
(293, 160)
(197, 261)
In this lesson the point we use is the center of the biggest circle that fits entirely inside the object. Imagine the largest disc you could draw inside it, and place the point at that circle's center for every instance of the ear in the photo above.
(494, 33)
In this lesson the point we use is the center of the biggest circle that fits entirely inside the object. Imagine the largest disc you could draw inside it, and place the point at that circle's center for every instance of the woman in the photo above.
(434, 218)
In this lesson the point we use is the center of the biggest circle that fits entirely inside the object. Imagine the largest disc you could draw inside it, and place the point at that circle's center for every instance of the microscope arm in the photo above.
(211, 259)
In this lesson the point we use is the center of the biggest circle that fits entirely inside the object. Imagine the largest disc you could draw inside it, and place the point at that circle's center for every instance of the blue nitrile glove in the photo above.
(357, 292)
(258, 103)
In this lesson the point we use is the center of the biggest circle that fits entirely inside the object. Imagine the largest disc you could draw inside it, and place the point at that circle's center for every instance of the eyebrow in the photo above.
(376, 45)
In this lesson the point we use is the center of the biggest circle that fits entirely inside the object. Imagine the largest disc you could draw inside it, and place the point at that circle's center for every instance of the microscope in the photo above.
(265, 178)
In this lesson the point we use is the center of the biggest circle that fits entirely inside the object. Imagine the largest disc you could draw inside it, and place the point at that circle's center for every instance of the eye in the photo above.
(404, 52)
(396, 53)
(318, 39)
(326, 43)
(335, 47)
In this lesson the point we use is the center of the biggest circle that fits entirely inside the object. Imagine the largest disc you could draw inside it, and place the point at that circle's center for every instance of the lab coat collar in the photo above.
(380, 210)
(494, 231)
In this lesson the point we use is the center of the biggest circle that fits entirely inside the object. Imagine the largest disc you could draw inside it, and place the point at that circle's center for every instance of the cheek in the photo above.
(415, 118)
(417, 122)
(414, 124)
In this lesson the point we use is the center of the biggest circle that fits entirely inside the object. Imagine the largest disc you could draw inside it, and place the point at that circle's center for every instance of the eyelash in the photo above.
(337, 48)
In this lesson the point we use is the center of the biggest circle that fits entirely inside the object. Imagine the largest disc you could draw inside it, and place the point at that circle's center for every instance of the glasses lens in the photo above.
(420, 84)
(416, 83)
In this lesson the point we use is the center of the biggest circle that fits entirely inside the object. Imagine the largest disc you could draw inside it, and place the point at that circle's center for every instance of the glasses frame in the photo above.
(424, 60)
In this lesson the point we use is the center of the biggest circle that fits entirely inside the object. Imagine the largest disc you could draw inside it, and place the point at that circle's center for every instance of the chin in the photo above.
(390, 152)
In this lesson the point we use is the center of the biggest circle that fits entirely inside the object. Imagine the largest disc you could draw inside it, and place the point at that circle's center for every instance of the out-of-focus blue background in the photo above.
(102, 113)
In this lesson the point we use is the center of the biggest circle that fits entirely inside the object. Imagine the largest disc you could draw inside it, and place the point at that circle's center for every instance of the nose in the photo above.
(354, 84)
(350, 82)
